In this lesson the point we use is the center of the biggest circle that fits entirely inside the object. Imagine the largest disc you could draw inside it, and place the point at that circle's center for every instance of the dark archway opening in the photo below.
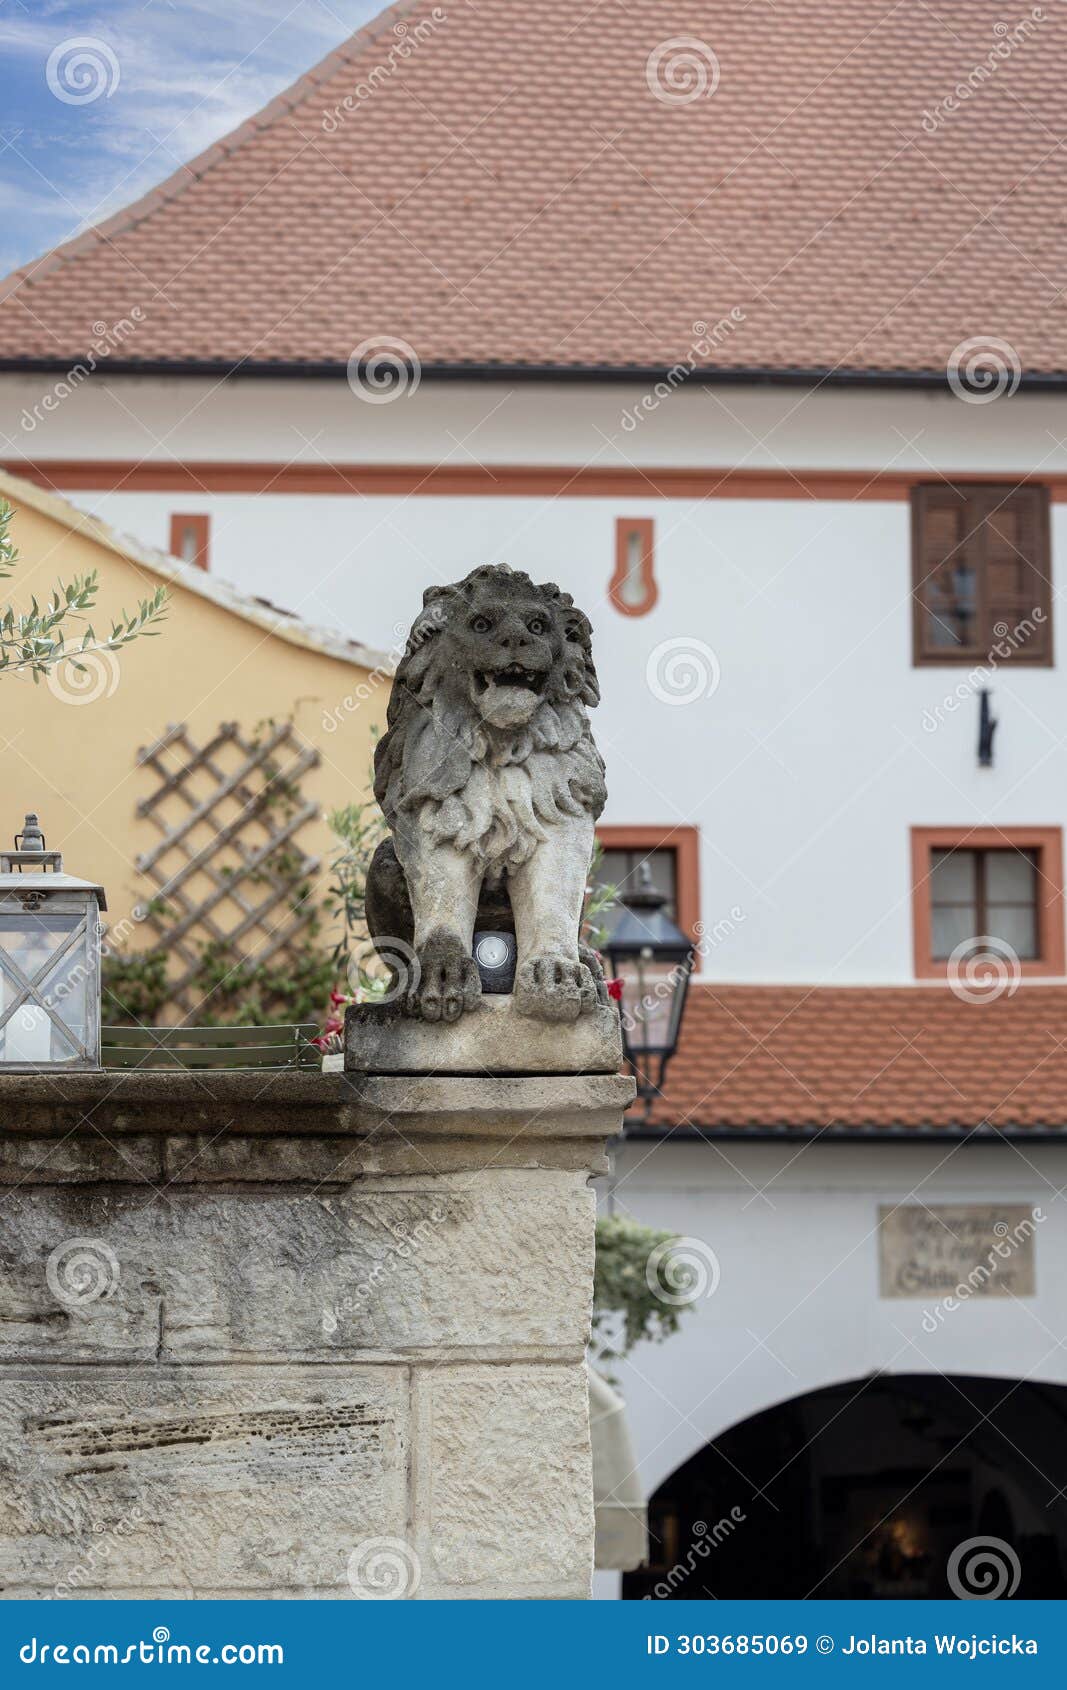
(866, 1490)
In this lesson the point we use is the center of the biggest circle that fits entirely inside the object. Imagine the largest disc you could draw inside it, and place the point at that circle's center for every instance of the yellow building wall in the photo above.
(68, 747)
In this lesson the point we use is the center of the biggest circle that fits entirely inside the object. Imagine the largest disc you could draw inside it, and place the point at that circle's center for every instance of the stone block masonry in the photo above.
(298, 1335)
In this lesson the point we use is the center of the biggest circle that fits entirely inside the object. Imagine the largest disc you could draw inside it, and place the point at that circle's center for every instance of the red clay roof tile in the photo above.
(834, 1058)
(516, 191)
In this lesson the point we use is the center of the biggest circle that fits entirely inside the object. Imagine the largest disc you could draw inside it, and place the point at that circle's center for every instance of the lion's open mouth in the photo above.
(513, 676)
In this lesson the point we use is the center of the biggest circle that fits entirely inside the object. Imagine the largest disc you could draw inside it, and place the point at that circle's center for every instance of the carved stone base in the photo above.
(297, 1335)
(492, 1039)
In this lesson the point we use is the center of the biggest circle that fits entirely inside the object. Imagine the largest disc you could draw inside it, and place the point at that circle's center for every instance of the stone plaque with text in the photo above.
(957, 1249)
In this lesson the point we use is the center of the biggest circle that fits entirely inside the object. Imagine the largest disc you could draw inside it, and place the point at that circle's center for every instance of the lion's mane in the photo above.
(441, 771)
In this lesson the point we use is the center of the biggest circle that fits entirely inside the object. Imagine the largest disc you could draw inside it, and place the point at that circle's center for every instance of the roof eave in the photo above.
(815, 376)
(641, 1132)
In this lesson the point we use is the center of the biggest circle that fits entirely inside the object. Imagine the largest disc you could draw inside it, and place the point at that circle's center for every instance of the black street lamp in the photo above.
(653, 959)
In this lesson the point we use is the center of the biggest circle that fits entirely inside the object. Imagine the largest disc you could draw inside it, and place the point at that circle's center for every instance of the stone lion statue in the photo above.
(491, 784)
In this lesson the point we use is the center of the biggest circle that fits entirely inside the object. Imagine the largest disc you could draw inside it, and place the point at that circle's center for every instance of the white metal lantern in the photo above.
(49, 960)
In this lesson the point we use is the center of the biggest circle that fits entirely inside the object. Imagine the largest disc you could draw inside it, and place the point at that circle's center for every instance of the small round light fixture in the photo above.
(494, 954)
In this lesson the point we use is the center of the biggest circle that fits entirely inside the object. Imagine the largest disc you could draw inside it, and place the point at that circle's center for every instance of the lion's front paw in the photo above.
(448, 981)
(554, 988)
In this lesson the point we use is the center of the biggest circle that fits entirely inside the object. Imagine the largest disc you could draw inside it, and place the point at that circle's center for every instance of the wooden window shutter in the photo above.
(981, 566)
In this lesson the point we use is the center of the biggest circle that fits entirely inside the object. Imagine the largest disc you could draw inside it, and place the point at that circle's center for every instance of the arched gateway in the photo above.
(867, 1489)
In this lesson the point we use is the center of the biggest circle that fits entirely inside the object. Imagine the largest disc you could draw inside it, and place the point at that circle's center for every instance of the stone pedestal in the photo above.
(298, 1334)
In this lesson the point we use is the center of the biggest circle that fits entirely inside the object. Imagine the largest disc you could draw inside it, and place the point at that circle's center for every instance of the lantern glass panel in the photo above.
(29, 940)
(649, 988)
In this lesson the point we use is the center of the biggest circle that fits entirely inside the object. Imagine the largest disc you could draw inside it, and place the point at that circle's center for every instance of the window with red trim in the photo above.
(673, 857)
(1000, 886)
(633, 588)
(189, 536)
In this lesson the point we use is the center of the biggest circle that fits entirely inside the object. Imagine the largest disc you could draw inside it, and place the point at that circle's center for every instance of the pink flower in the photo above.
(615, 989)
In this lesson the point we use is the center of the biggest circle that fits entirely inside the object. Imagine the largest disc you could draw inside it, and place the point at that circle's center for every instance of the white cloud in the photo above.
(191, 71)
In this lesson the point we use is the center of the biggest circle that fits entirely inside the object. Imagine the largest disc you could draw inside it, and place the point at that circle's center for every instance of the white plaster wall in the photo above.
(810, 762)
(797, 1305)
(530, 422)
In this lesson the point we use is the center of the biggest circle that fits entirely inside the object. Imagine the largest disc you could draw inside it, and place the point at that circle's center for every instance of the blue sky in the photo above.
(168, 78)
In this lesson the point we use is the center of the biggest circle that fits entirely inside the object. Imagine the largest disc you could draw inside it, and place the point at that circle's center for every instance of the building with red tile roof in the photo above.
(827, 1061)
(746, 324)
(817, 188)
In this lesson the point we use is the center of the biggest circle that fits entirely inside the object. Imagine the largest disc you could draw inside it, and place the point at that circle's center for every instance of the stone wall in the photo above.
(297, 1335)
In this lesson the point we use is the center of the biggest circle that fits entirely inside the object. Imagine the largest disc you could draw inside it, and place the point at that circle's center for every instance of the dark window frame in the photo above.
(1046, 842)
(978, 500)
(982, 922)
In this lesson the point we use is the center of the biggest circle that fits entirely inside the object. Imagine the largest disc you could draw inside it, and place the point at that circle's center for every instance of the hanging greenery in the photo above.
(626, 1307)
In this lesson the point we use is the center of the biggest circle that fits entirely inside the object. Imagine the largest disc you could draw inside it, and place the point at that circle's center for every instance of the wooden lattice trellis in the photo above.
(226, 812)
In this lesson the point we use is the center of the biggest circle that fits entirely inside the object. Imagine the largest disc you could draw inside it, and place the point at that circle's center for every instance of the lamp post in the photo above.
(654, 960)
(49, 960)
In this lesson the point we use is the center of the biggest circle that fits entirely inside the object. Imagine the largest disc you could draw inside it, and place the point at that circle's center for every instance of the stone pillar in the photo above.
(296, 1334)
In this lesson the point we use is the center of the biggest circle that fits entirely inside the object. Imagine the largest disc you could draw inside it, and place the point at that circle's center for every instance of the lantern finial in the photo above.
(31, 838)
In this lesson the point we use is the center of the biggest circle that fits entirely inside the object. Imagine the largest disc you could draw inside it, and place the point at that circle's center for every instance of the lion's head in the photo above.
(497, 668)
(505, 642)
